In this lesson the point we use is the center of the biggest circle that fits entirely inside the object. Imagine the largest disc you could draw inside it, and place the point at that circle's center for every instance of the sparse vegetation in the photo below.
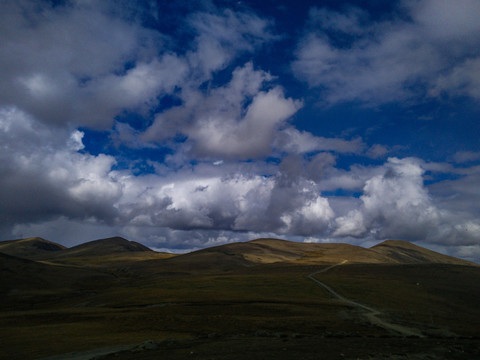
(221, 300)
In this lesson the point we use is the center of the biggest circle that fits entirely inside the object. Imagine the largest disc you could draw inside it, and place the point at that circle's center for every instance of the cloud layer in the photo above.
(236, 157)
(430, 50)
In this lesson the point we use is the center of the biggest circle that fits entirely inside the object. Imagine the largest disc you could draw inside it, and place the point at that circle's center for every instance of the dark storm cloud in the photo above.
(46, 177)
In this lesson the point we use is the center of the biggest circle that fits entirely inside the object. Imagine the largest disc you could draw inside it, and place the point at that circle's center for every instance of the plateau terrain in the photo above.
(267, 298)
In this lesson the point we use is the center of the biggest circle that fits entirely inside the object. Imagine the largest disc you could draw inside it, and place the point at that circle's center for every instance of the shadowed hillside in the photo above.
(225, 257)
(26, 283)
(30, 248)
(265, 298)
(101, 247)
(268, 251)
(93, 253)
(274, 251)
(407, 253)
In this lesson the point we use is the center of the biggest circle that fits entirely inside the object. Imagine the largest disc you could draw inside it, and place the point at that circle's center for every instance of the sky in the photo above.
(187, 124)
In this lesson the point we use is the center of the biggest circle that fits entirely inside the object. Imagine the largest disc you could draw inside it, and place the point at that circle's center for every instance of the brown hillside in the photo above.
(268, 251)
(30, 248)
(405, 252)
(113, 245)
(273, 250)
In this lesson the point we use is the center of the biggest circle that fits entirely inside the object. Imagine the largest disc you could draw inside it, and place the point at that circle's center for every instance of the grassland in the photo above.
(215, 304)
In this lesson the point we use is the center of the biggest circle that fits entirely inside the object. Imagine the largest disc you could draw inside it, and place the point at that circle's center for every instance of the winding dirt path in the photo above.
(371, 314)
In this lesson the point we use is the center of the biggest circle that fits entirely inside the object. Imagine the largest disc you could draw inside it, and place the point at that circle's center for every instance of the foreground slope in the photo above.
(242, 300)
(26, 283)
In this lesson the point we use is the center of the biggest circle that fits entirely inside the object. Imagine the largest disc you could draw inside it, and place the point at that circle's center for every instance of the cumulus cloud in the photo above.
(103, 61)
(202, 204)
(210, 200)
(396, 204)
(60, 76)
(237, 166)
(65, 183)
(393, 59)
(47, 177)
(221, 124)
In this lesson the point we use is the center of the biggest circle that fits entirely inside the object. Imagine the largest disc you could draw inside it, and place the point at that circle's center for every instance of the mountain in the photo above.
(114, 250)
(405, 252)
(266, 292)
(104, 252)
(265, 251)
(273, 250)
(108, 246)
(228, 256)
(30, 248)
(268, 251)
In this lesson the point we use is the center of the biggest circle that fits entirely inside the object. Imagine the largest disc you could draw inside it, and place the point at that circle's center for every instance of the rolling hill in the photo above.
(93, 253)
(33, 247)
(267, 251)
(404, 252)
(228, 256)
(236, 300)
(101, 247)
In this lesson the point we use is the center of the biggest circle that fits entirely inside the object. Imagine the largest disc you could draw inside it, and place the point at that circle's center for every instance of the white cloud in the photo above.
(396, 204)
(388, 60)
(377, 151)
(221, 36)
(193, 205)
(220, 124)
(295, 141)
(43, 175)
(447, 19)
(466, 156)
(52, 59)
(75, 142)
(249, 137)
(464, 79)
(84, 63)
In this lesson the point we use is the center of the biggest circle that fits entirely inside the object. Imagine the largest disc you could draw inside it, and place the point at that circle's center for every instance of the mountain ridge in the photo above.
(257, 251)
(32, 247)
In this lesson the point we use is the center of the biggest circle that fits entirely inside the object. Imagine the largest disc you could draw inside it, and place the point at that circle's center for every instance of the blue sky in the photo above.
(188, 124)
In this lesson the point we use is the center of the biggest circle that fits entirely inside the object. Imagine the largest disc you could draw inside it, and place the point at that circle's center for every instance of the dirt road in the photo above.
(371, 314)
(90, 354)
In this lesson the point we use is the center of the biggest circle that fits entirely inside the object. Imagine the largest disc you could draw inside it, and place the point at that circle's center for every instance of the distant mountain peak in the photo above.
(399, 243)
(402, 251)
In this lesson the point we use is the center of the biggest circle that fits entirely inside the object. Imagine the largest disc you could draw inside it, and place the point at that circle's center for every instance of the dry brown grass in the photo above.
(225, 293)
